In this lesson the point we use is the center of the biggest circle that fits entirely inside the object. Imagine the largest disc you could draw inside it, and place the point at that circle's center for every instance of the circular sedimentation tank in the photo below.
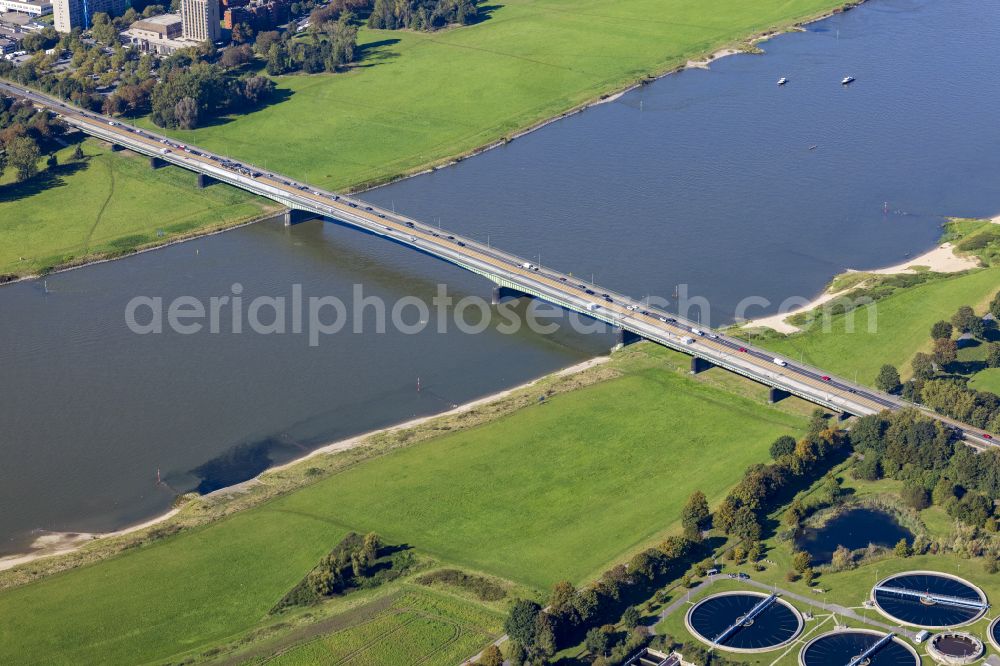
(729, 621)
(955, 648)
(994, 633)
(929, 599)
(844, 646)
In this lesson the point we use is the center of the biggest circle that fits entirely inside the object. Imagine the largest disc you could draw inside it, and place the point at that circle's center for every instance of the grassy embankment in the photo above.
(428, 97)
(416, 100)
(901, 321)
(105, 205)
(559, 490)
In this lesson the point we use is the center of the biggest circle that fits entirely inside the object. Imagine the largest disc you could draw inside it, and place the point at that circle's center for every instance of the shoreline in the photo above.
(53, 544)
(939, 259)
(602, 98)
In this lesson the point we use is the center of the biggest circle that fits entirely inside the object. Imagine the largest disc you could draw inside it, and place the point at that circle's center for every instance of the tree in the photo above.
(801, 561)
(23, 154)
(186, 113)
(808, 576)
(841, 559)
(922, 366)
(52, 162)
(945, 352)
(745, 525)
(545, 635)
(888, 379)
(562, 597)
(783, 446)
(915, 496)
(995, 307)
(941, 330)
(520, 622)
(103, 30)
(631, 617)
(869, 469)
(491, 657)
(236, 56)
(993, 355)
(597, 641)
(962, 320)
(77, 153)
(695, 515)
(902, 549)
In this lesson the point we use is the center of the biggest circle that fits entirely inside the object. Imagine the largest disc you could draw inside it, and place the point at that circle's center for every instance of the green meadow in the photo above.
(107, 204)
(901, 327)
(557, 490)
(421, 98)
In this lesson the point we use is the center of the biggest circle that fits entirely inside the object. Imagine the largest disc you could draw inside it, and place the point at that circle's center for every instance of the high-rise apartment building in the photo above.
(201, 20)
(69, 14)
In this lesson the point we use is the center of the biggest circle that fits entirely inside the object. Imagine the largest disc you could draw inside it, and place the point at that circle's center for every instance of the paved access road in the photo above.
(505, 269)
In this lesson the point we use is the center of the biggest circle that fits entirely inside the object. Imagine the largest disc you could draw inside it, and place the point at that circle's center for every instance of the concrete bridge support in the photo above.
(204, 181)
(500, 293)
(116, 148)
(625, 337)
(777, 394)
(699, 365)
(155, 162)
(294, 216)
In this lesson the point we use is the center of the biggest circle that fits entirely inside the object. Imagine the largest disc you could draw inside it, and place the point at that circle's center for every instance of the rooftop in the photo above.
(162, 19)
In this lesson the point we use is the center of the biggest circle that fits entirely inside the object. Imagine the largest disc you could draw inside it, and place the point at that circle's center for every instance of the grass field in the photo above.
(418, 628)
(558, 490)
(107, 204)
(904, 321)
(420, 98)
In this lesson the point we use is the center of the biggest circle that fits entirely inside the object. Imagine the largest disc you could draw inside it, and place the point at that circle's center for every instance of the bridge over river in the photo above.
(511, 275)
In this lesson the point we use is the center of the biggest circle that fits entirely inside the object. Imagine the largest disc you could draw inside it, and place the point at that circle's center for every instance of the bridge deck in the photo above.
(506, 269)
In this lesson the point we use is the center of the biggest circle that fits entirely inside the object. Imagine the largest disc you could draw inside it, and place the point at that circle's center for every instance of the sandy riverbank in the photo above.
(59, 543)
(941, 259)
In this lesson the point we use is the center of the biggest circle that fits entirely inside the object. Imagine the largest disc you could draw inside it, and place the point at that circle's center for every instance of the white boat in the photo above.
(782, 81)
(847, 79)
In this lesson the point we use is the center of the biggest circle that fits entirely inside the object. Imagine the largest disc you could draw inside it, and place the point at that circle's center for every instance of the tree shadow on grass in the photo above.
(278, 96)
(373, 53)
(484, 13)
(46, 180)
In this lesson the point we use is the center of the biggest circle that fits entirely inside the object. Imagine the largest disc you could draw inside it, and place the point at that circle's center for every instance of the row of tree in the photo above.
(934, 467)
(586, 613)
(188, 96)
(343, 568)
(421, 14)
(763, 486)
(23, 130)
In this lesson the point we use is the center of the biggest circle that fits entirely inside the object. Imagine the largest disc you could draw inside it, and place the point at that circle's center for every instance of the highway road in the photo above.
(506, 270)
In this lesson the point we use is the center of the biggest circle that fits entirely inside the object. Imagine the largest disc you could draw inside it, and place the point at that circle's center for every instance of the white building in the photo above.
(201, 20)
(30, 7)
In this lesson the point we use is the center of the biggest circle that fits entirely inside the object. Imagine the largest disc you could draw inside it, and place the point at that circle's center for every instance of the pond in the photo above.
(853, 529)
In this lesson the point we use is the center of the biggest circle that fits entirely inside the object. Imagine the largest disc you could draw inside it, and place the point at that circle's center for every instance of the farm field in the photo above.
(904, 321)
(102, 206)
(528, 61)
(534, 497)
(418, 627)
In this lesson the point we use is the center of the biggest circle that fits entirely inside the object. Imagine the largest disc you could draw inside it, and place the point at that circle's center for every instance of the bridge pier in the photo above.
(699, 365)
(776, 394)
(116, 147)
(204, 181)
(294, 216)
(500, 293)
(155, 162)
(623, 337)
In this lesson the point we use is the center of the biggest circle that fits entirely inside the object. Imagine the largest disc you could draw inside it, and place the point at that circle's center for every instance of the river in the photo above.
(715, 179)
